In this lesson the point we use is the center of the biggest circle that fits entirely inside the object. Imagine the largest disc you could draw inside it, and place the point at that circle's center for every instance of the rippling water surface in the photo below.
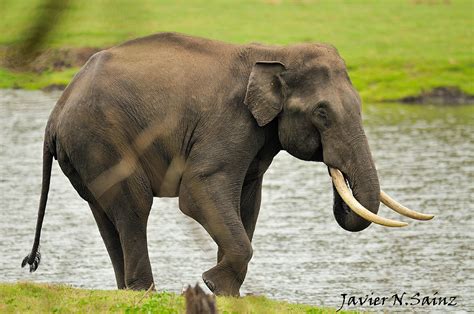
(425, 158)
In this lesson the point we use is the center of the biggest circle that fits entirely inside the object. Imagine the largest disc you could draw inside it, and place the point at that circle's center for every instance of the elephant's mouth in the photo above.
(318, 155)
(345, 203)
(338, 201)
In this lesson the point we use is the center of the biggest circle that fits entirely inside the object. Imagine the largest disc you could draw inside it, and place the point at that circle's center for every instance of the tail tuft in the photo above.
(33, 259)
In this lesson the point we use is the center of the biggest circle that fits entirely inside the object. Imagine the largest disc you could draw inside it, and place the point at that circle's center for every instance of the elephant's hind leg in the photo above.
(106, 227)
(121, 206)
(128, 205)
(112, 243)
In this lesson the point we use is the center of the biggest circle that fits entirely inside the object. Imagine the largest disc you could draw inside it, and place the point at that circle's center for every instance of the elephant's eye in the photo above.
(321, 112)
(321, 115)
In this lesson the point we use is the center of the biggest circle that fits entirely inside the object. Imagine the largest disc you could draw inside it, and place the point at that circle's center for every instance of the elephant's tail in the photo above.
(33, 259)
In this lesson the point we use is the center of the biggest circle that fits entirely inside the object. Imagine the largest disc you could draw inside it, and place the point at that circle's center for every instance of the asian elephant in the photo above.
(171, 115)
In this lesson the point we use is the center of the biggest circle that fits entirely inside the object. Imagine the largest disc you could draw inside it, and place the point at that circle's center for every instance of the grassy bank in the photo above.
(392, 48)
(41, 298)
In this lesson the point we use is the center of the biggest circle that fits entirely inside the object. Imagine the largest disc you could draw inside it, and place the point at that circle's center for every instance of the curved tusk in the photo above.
(402, 210)
(357, 207)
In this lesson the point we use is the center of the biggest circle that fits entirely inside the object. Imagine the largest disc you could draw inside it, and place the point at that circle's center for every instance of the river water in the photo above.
(425, 159)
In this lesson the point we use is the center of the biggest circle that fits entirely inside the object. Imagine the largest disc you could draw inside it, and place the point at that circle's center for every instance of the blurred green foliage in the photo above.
(392, 48)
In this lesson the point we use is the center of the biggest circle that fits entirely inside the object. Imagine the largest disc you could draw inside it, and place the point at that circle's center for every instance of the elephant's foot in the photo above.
(222, 280)
(139, 284)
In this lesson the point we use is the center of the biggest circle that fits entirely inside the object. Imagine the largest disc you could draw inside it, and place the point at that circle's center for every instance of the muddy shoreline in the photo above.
(441, 95)
(64, 58)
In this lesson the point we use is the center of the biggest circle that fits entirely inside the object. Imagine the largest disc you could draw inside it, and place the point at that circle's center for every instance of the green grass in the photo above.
(393, 48)
(44, 298)
(27, 80)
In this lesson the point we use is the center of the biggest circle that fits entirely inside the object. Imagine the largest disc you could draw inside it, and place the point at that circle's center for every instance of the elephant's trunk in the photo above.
(361, 175)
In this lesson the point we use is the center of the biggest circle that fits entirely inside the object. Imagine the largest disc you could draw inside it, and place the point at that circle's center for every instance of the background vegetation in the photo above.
(392, 48)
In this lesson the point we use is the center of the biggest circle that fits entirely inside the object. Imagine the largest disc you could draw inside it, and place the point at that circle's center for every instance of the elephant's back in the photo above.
(177, 65)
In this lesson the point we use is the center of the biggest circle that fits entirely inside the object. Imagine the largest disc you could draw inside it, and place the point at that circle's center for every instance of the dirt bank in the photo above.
(53, 59)
(443, 95)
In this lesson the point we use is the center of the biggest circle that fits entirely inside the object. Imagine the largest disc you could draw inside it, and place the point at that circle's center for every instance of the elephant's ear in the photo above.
(265, 95)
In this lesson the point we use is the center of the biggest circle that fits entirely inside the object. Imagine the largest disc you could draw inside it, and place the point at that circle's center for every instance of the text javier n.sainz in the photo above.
(397, 299)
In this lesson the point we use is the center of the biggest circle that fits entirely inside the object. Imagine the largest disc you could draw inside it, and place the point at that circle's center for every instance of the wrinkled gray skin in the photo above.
(220, 113)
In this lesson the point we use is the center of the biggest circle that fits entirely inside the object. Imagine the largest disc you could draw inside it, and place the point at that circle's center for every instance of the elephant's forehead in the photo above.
(338, 92)
(328, 66)
(320, 81)
(323, 54)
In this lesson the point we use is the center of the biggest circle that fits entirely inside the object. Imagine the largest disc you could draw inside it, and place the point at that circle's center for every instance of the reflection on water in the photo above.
(425, 158)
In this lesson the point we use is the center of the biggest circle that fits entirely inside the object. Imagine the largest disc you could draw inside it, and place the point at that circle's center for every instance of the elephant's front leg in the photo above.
(250, 200)
(214, 201)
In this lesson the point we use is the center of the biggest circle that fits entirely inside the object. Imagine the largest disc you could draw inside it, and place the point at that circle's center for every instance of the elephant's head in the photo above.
(319, 119)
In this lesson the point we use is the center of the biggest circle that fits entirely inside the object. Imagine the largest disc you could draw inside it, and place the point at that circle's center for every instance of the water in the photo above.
(425, 158)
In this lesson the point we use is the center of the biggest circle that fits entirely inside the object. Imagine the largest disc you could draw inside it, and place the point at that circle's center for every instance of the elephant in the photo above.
(171, 115)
